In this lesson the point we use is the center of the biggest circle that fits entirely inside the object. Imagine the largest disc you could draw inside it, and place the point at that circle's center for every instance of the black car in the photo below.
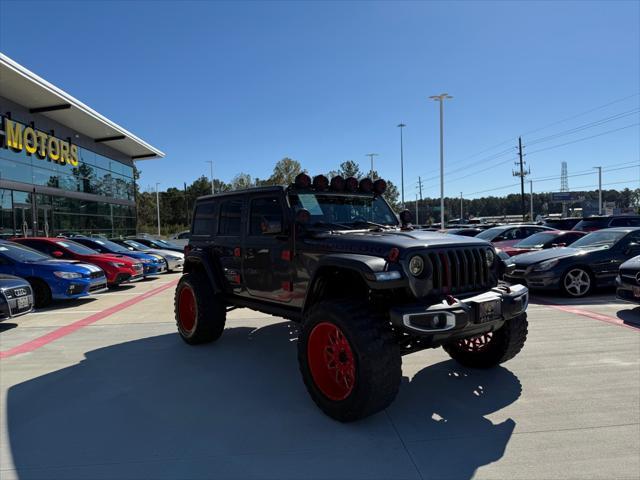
(16, 296)
(591, 224)
(566, 223)
(365, 288)
(628, 281)
(589, 262)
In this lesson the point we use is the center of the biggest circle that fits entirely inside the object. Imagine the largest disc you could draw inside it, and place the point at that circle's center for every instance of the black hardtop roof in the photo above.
(244, 191)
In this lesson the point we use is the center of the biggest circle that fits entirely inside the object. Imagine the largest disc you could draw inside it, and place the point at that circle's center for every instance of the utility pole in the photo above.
(401, 126)
(210, 162)
(420, 187)
(461, 211)
(417, 221)
(371, 155)
(599, 190)
(158, 205)
(441, 98)
(531, 198)
(186, 204)
(521, 173)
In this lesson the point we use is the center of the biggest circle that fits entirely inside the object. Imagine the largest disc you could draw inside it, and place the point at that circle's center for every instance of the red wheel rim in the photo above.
(331, 361)
(476, 344)
(187, 309)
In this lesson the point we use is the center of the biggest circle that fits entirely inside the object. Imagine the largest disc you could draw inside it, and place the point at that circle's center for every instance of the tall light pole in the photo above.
(401, 126)
(158, 206)
(599, 189)
(441, 98)
(531, 198)
(210, 162)
(371, 155)
(461, 209)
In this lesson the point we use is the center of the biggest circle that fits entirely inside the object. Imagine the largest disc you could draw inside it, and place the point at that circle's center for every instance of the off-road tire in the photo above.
(502, 345)
(206, 313)
(41, 293)
(376, 358)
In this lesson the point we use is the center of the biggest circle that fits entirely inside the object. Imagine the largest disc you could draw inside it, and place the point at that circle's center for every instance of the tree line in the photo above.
(176, 204)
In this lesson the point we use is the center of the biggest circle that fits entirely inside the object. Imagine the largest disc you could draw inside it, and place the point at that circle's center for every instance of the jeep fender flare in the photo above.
(364, 266)
(199, 260)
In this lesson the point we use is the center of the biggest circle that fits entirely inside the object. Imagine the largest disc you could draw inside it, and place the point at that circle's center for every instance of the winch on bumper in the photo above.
(463, 317)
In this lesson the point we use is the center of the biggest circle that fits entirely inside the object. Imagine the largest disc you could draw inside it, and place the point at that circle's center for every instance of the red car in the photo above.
(118, 268)
(541, 241)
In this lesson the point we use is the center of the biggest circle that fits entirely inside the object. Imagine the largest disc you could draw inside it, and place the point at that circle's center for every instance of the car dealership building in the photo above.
(64, 168)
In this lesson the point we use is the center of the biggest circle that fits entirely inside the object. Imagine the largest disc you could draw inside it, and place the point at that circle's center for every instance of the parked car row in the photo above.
(34, 271)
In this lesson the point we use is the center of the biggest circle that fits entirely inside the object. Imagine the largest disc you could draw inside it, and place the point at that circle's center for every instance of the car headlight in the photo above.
(546, 265)
(416, 265)
(117, 264)
(171, 257)
(146, 260)
(490, 257)
(68, 275)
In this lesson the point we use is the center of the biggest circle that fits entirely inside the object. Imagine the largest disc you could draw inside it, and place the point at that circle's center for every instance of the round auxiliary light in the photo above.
(416, 265)
(337, 183)
(379, 186)
(320, 182)
(490, 257)
(303, 180)
(366, 185)
(351, 184)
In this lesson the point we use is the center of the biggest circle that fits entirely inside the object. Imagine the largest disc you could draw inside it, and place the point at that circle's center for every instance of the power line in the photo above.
(584, 138)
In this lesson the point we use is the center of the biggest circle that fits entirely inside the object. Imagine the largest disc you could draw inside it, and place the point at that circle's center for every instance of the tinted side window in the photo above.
(230, 216)
(620, 222)
(204, 219)
(266, 215)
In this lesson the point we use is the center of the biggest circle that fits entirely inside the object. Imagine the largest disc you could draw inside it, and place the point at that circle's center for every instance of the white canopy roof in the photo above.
(25, 88)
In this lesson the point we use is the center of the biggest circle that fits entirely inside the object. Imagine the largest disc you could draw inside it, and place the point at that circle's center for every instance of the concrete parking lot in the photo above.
(104, 388)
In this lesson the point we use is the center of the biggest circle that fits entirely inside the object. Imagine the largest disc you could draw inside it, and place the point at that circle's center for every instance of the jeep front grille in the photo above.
(459, 270)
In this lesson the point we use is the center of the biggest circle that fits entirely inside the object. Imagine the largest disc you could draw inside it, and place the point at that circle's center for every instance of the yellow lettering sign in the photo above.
(73, 159)
(13, 134)
(29, 137)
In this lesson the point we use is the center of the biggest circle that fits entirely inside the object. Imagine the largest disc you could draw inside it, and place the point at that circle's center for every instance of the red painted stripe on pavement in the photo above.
(590, 314)
(32, 345)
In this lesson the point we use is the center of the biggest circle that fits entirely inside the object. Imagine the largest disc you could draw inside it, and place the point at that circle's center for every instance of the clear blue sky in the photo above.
(247, 83)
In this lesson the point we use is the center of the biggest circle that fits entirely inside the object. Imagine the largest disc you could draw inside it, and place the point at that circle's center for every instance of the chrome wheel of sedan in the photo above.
(577, 282)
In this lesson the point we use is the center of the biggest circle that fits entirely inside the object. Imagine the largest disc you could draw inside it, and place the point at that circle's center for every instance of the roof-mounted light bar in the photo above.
(321, 183)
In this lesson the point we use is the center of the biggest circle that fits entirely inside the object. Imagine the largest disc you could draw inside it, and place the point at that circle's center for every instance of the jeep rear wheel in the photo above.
(492, 348)
(349, 361)
(200, 315)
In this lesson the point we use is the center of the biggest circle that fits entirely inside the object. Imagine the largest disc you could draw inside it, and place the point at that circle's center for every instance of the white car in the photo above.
(175, 260)
(181, 238)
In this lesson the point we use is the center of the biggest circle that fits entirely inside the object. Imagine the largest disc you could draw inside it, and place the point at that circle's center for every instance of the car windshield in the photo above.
(601, 238)
(344, 210)
(593, 223)
(491, 233)
(136, 245)
(77, 248)
(537, 240)
(21, 253)
(164, 243)
(111, 246)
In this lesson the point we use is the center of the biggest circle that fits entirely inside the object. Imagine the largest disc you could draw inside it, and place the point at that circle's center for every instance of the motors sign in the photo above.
(563, 197)
(19, 137)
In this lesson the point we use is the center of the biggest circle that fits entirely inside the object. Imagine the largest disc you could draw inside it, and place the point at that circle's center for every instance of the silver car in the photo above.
(175, 260)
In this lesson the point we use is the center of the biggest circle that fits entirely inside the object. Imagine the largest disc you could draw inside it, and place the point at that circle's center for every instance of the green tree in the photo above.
(285, 172)
(240, 181)
(349, 169)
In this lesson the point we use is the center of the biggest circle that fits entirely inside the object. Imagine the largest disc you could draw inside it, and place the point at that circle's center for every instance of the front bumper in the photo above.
(15, 306)
(625, 291)
(547, 280)
(462, 318)
(153, 269)
(175, 264)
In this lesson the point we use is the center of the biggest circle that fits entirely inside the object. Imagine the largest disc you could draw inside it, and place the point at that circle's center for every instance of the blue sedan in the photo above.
(153, 264)
(50, 278)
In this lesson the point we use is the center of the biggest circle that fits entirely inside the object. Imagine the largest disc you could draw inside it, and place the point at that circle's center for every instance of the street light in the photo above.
(401, 126)
(441, 98)
(371, 155)
(210, 162)
(158, 206)
(599, 189)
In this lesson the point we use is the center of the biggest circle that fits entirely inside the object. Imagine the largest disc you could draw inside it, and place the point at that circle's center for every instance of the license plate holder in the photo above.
(636, 292)
(489, 311)
(22, 302)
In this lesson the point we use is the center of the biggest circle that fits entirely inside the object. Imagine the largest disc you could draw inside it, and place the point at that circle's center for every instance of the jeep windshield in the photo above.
(346, 211)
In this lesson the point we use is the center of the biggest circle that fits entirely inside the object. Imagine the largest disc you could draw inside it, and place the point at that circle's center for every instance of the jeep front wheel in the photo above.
(492, 348)
(349, 361)
(200, 315)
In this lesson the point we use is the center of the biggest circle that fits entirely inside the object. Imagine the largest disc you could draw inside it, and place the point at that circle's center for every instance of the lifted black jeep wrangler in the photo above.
(365, 287)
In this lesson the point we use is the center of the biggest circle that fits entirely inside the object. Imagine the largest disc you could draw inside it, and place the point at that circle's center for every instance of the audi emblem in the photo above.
(20, 292)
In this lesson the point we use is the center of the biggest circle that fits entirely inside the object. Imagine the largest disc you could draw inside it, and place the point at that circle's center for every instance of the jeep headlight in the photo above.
(546, 265)
(490, 257)
(416, 265)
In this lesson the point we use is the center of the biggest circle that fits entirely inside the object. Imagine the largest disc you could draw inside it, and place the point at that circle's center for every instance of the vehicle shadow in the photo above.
(630, 316)
(63, 304)
(158, 408)
(6, 326)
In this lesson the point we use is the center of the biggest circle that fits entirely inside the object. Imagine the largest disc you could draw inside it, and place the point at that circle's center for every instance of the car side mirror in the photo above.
(554, 245)
(632, 249)
(499, 238)
(406, 218)
(303, 216)
(57, 254)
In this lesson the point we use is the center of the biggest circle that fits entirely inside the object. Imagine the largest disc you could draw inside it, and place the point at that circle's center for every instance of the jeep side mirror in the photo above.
(303, 216)
(57, 254)
(406, 218)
